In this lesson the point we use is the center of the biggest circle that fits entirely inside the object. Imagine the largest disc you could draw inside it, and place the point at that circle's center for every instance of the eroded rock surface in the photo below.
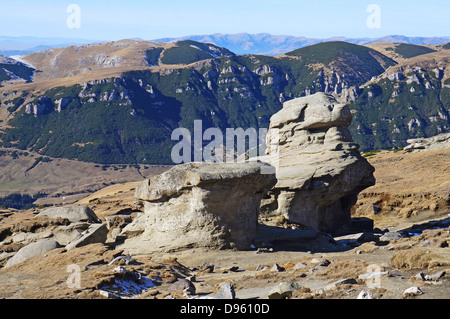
(201, 205)
(319, 168)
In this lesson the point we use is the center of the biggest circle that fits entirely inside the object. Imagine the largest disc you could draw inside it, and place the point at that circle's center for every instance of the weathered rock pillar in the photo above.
(319, 168)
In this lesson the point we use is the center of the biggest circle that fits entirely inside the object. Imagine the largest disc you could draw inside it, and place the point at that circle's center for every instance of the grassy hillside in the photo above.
(186, 52)
(20, 70)
(406, 50)
(344, 55)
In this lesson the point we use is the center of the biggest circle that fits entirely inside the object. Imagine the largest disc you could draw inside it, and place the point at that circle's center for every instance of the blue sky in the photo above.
(151, 19)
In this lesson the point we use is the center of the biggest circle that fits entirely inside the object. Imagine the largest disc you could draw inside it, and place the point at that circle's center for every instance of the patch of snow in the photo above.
(212, 53)
(19, 58)
(128, 286)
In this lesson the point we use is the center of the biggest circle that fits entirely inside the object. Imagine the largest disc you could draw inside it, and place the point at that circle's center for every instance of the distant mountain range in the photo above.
(24, 45)
(268, 44)
(240, 43)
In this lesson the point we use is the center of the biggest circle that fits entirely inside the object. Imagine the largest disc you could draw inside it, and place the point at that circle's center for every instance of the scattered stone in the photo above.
(64, 235)
(264, 250)
(373, 274)
(425, 243)
(207, 268)
(284, 290)
(276, 268)
(122, 260)
(31, 250)
(346, 281)
(262, 267)
(120, 270)
(355, 239)
(320, 262)
(233, 269)
(107, 294)
(74, 213)
(436, 276)
(96, 233)
(419, 276)
(299, 265)
(364, 294)
(389, 236)
(184, 285)
(226, 291)
(318, 292)
(412, 292)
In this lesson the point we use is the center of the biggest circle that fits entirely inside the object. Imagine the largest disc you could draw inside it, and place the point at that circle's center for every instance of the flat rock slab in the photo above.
(96, 233)
(75, 213)
(31, 250)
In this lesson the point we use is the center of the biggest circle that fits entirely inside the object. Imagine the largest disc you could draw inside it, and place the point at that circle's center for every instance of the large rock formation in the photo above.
(437, 142)
(201, 205)
(319, 168)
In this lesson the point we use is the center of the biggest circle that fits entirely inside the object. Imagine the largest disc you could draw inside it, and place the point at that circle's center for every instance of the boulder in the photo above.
(412, 292)
(212, 205)
(319, 168)
(96, 233)
(75, 213)
(437, 142)
(340, 282)
(389, 236)
(66, 234)
(284, 290)
(31, 250)
(183, 285)
(226, 291)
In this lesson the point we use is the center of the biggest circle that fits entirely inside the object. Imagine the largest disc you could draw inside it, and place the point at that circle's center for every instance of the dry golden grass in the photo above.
(418, 258)
(344, 269)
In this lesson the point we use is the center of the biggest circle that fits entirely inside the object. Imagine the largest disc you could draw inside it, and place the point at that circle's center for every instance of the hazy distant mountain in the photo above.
(24, 45)
(268, 44)
(240, 43)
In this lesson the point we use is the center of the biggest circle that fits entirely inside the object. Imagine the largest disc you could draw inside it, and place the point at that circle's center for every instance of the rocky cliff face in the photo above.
(409, 100)
(319, 169)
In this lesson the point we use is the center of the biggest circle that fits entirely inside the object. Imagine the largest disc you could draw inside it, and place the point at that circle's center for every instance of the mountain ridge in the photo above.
(239, 43)
(268, 44)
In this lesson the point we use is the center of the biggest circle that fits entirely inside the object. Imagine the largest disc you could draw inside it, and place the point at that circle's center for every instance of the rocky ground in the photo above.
(405, 250)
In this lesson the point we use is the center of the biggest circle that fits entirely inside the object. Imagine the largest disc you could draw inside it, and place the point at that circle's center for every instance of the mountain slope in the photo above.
(401, 51)
(126, 54)
(13, 70)
(411, 99)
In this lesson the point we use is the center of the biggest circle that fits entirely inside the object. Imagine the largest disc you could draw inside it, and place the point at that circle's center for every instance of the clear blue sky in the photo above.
(151, 19)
